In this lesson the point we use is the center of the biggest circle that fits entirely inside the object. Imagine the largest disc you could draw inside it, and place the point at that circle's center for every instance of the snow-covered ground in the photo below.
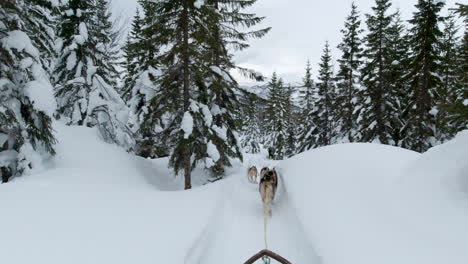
(350, 203)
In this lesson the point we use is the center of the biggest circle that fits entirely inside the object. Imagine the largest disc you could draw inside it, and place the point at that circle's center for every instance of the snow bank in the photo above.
(96, 203)
(369, 203)
(350, 203)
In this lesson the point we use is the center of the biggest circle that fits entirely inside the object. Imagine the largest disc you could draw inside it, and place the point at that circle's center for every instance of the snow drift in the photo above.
(342, 204)
(368, 203)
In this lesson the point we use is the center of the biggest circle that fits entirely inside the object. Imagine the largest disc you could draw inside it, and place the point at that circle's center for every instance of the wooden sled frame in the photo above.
(268, 253)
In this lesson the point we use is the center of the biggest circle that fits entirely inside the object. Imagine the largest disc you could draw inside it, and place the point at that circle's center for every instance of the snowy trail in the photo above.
(236, 231)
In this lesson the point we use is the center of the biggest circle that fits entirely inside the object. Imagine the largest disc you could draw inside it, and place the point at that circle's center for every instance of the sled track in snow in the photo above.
(236, 231)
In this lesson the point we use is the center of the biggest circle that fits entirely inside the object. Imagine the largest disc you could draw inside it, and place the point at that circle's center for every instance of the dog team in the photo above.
(267, 187)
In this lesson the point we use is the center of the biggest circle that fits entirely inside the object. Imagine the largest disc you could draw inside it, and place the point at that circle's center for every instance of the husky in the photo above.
(267, 188)
(252, 174)
(263, 171)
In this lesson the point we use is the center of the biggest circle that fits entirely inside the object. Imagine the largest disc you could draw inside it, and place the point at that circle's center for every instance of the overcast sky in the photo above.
(299, 31)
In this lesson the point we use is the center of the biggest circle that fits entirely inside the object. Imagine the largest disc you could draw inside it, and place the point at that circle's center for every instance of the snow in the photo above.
(83, 31)
(26, 63)
(365, 203)
(187, 124)
(221, 73)
(145, 85)
(21, 42)
(7, 157)
(206, 115)
(90, 70)
(434, 111)
(55, 3)
(199, 3)
(69, 12)
(221, 132)
(98, 204)
(3, 137)
(465, 102)
(350, 203)
(79, 39)
(194, 106)
(42, 96)
(212, 151)
(71, 60)
(216, 110)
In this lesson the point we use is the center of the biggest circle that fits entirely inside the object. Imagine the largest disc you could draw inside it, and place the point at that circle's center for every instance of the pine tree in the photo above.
(322, 132)
(307, 103)
(41, 14)
(26, 96)
(192, 107)
(376, 100)
(252, 136)
(423, 76)
(325, 104)
(140, 85)
(107, 37)
(458, 111)
(133, 53)
(275, 113)
(84, 94)
(447, 91)
(397, 84)
(220, 89)
(348, 75)
(291, 124)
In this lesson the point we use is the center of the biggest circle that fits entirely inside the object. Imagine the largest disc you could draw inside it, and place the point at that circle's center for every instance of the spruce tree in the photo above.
(322, 132)
(133, 53)
(41, 14)
(449, 72)
(275, 118)
(84, 92)
(192, 106)
(252, 132)
(108, 37)
(307, 103)
(396, 81)
(458, 111)
(376, 102)
(26, 95)
(140, 85)
(219, 89)
(348, 75)
(291, 123)
(424, 79)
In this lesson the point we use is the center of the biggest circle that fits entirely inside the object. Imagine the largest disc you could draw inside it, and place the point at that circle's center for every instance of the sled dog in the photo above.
(267, 188)
(263, 171)
(252, 174)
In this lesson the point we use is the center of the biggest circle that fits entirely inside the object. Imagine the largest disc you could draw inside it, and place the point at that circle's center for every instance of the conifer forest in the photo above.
(162, 85)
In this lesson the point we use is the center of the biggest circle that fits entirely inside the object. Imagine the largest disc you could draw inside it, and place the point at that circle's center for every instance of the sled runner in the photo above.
(265, 255)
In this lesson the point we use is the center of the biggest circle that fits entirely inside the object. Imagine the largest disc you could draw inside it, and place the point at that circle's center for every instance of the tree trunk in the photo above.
(186, 61)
